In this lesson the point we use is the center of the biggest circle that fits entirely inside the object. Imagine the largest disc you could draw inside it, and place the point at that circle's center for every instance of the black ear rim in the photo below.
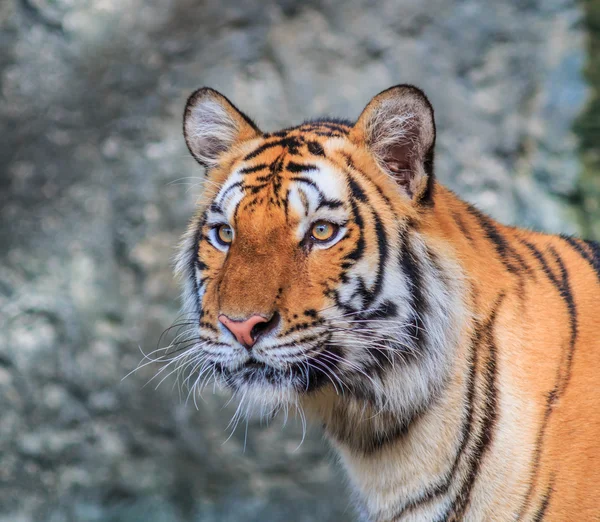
(193, 99)
(426, 198)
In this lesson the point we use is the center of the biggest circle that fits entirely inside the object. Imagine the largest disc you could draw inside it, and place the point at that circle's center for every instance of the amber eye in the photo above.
(224, 234)
(323, 231)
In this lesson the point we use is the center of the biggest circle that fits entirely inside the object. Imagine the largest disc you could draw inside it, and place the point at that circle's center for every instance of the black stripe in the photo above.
(195, 262)
(215, 207)
(591, 254)
(359, 194)
(511, 259)
(361, 290)
(537, 456)
(563, 288)
(286, 205)
(380, 439)
(387, 310)
(541, 511)
(366, 443)
(330, 203)
(350, 164)
(274, 168)
(300, 167)
(543, 263)
(259, 150)
(564, 373)
(356, 190)
(418, 305)
(359, 249)
(236, 211)
(466, 432)
(255, 168)
(292, 143)
(298, 327)
(308, 181)
(306, 339)
(381, 356)
(318, 376)
(382, 247)
(490, 415)
(228, 190)
(567, 295)
(335, 295)
(255, 189)
(315, 148)
(462, 225)
(208, 326)
(426, 198)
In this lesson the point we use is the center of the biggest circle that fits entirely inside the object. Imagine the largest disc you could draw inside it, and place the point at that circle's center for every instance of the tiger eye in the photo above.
(225, 234)
(323, 231)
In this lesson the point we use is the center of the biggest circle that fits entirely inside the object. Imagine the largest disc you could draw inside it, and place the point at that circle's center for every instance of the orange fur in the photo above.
(529, 333)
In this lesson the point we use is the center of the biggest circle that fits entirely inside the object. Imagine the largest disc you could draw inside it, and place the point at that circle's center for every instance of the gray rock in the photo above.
(97, 186)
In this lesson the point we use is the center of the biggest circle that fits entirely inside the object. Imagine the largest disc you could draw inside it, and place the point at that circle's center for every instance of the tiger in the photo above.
(452, 361)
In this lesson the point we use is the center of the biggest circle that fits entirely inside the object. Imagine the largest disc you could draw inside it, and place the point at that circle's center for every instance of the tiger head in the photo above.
(304, 269)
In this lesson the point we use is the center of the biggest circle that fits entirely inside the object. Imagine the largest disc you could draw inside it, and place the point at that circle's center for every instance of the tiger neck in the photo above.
(404, 459)
(392, 457)
(391, 460)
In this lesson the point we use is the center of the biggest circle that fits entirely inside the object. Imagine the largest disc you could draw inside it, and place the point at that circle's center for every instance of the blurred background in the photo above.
(96, 187)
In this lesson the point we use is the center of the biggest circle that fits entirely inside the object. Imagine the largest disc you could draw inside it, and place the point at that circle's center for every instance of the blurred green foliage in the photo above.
(587, 126)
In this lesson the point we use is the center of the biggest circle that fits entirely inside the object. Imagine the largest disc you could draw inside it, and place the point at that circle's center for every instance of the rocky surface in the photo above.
(96, 186)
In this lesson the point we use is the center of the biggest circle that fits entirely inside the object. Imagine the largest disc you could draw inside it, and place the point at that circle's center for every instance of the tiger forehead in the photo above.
(287, 170)
(307, 139)
(319, 129)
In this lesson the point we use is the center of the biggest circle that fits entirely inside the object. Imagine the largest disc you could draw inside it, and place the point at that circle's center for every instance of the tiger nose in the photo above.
(247, 331)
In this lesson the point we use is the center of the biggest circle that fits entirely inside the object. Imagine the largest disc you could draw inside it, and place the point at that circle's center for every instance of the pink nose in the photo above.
(244, 330)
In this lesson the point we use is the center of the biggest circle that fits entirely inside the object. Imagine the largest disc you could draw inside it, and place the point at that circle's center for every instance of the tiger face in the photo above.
(302, 267)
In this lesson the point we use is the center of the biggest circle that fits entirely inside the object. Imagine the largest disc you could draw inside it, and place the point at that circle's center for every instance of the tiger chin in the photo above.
(454, 362)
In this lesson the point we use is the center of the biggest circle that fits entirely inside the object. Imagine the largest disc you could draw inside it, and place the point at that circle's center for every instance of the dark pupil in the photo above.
(322, 229)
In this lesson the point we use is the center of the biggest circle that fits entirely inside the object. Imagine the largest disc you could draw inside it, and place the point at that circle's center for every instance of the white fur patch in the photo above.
(389, 126)
(209, 131)
(304, 199)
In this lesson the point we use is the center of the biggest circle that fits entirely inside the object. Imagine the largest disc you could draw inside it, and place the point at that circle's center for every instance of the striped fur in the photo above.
(453, 361)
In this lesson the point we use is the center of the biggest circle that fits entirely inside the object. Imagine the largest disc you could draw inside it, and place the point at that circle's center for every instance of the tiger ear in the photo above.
(398, 128)
(212, 125)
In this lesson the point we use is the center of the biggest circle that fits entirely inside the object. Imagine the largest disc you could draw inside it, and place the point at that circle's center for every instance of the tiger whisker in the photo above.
(329, 373)
(357, 369)
(175, 369)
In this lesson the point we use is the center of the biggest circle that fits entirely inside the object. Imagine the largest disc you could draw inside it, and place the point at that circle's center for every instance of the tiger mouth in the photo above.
(253, 364)
(296, 374)
(251, 372)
